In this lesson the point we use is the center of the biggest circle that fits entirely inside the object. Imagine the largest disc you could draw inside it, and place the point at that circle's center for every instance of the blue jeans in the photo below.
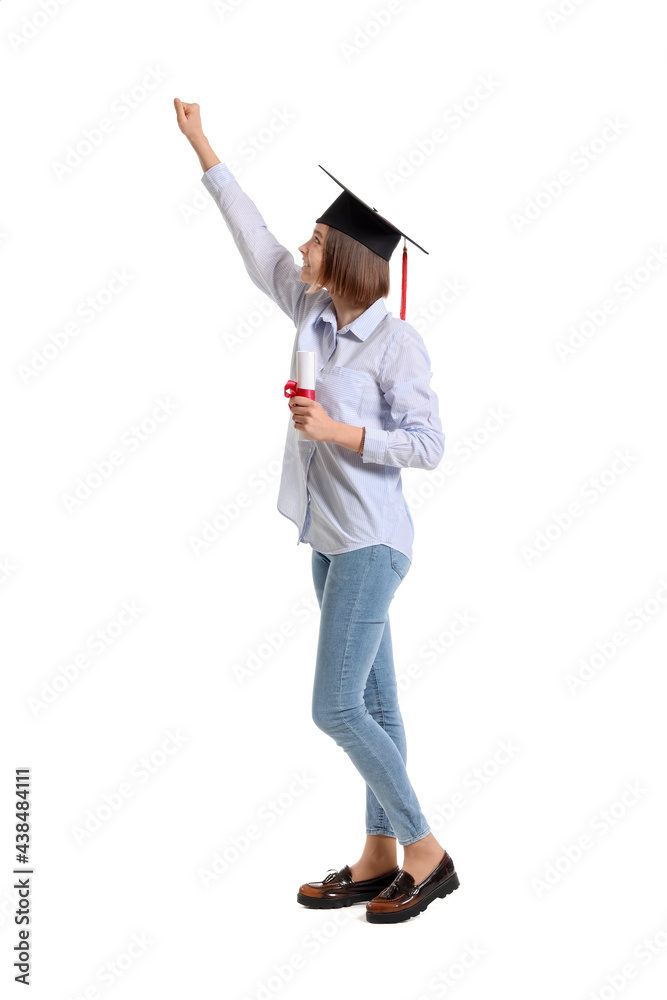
(355, 696)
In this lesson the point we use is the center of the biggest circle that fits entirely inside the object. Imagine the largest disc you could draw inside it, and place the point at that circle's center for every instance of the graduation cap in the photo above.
(352, 216)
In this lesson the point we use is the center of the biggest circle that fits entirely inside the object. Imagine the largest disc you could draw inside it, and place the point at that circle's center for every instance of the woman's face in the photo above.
(313, 252)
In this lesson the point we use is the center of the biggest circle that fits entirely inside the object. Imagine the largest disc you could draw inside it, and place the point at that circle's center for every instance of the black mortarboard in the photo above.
(352, 216)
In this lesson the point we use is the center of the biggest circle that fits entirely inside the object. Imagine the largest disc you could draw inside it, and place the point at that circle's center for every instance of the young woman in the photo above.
(375, 413)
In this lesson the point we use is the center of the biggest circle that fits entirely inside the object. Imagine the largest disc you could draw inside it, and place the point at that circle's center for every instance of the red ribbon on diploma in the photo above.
(291, 389)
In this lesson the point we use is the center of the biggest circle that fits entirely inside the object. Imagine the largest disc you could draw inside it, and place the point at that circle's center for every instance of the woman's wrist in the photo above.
(348, 436)
(202, 148)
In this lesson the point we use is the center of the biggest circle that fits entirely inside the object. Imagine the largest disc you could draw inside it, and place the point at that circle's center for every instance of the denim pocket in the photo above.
(399, 562)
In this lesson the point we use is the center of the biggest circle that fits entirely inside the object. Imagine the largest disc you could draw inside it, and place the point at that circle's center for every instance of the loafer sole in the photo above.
(317, 903)
(440, 891)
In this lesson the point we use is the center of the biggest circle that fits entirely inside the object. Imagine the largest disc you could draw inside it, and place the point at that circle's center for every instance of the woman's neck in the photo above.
(345, 311)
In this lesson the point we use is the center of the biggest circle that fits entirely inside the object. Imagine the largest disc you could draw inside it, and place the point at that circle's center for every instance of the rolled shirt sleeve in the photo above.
(412, 436)
(270, 265)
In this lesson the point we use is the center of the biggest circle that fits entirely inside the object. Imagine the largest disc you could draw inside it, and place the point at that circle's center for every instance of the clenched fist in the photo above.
(310, 417)
(188, 118)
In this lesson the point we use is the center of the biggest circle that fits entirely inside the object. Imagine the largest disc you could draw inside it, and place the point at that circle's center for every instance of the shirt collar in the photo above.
(363, 325)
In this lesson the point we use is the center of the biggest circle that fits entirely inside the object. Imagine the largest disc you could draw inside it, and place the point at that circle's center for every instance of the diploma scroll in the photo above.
(305, 382)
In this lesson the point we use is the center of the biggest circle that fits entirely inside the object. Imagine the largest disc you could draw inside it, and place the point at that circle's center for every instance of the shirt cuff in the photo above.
(217, 175)
(375, 445)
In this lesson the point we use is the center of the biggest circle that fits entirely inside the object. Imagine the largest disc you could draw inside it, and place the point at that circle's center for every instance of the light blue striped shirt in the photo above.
(375, 373)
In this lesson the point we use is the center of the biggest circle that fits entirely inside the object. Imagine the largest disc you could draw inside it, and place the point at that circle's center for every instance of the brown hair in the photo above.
(351, 270)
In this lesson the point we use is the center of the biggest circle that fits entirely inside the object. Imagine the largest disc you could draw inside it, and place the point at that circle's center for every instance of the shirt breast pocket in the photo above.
(341, 392)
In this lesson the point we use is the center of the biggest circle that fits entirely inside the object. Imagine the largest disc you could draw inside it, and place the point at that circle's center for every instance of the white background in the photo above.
(362, 98)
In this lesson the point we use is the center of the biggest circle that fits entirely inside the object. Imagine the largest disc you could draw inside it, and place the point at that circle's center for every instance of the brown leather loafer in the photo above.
(338, 889)
(404, 898)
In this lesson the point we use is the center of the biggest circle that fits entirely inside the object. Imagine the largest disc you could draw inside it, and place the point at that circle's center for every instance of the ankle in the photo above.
(362, 869)
(379, 849)
(428, 846)
(378, 856)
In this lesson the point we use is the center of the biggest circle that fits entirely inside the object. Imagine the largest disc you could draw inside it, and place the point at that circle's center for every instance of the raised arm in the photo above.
(270, 265)
(189, 122)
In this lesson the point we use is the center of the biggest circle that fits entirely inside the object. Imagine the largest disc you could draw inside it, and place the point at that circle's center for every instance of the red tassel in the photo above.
(404, 283)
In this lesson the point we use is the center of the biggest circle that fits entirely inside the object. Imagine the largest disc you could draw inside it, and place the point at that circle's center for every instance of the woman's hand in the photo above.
(188, 118)
(310, 417)
(189, 122)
